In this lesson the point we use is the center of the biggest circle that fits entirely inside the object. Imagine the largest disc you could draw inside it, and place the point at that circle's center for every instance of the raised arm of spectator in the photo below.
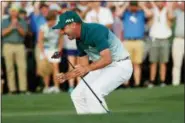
(22, 28)
(153, 4)
(36, 7)
(40, 41)
(86, 11)
(121, 10)
(110, 19)
(148, 12)
(7, 30)
(170, 10)
(60, 42)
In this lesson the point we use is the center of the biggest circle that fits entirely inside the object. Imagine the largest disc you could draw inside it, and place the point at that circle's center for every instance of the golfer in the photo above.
(110, 67)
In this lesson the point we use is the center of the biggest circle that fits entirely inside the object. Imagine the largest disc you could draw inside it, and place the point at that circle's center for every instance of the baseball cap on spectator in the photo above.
(54, 7)
(22, 14)
(67, 18)
(14, 8)
(22, 11)
(64, 5)
(76, 10)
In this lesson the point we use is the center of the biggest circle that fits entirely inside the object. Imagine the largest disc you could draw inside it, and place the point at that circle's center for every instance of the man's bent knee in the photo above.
(76, 95)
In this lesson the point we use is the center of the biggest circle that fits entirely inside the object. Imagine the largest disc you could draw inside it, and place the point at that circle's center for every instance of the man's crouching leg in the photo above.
(93, 103)
(79, 101)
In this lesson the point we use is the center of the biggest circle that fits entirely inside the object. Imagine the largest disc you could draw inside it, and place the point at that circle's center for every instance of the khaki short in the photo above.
(159, 51)
(135, 49)
(44, 68)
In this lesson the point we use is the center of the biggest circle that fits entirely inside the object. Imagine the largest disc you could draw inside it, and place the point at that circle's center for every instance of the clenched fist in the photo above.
(60, 77)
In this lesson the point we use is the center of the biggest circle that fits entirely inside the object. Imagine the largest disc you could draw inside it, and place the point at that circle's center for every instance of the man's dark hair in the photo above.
(43, 5)
(113, 9)
(22, 11)
(51, 15)
(76, 10)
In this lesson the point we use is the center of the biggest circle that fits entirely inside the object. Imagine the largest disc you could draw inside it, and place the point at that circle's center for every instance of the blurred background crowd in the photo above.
(152, 32)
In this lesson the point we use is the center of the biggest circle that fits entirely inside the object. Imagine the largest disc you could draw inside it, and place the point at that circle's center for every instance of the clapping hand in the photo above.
(14, 23)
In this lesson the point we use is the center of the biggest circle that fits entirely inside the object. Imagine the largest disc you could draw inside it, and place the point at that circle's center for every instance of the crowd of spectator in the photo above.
(153, 29)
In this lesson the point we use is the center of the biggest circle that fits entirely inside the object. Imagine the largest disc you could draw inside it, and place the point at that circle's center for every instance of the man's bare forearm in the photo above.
(104, 60)
(70, 75)
(93, 66)
(60, 43)
(121, 10)
(170, 14)
(6, 31)
(21, 30)
(148, 12)
(81, 70)
(98, 64)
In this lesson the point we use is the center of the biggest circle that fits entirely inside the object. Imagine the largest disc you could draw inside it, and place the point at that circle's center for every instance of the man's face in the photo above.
(13, 13)
(95, 4)
(69, 30)
(160, 4)
(148, 5)
(23, 3)
(134, 8)
(52, 22)
(44, 11)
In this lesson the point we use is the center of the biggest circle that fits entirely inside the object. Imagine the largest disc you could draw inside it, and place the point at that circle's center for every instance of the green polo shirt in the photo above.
(96, 38)
(14, 36)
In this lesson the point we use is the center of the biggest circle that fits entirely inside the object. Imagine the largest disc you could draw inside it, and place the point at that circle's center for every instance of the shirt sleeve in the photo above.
(101, 39)
(123, 15)
(143, 14)
(4, 24)
(43, 28)
(81, 52)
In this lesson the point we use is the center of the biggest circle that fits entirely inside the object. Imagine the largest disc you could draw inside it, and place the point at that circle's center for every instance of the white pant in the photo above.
(177, 55)
(102, 82)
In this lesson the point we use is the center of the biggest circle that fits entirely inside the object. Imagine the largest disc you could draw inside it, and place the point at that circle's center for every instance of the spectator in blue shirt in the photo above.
(38, 18)
(133, 17)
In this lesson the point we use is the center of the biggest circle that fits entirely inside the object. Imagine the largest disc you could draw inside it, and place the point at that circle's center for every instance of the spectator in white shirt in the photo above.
(160, 33)
(49, 41)
(100, 15)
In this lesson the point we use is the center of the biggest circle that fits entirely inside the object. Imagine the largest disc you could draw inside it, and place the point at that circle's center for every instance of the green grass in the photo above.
(156, 105)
